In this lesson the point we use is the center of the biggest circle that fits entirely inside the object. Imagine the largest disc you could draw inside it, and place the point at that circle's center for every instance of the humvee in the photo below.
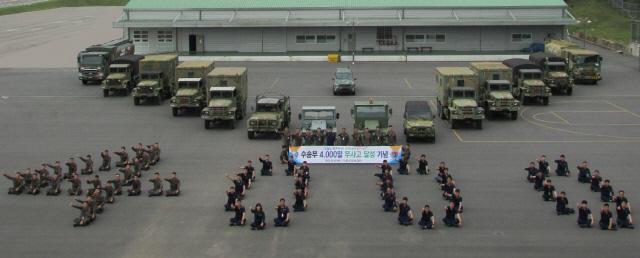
(343, 82)
(314, 117)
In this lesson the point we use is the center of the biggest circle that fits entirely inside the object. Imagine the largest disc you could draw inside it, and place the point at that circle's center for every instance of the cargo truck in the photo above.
(527, 81)
(457, 96)
(495, 89)
(157, 79)
(583, 65)
(124, 74)
(191, 80)
(554, 69)
(227, 96)
(93, 61)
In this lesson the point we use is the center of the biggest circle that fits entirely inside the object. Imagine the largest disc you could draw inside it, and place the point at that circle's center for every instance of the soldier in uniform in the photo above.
(452, 216)
(109, 191)
(157, 185)
(585, 218)
(72, 168)
(561, 205)
(606, 218)
(357, 138)
(307, 138)
(379, 138)
(239, 218)
(282, 211)
(128, 174)
(427, 221)
(532, 171)
(343, 137)
(57, 168)
(267, 166)
(624, 216)
(448, 188)
(296, 138)
(389, 197)
(145, 160)
(238, 185)
(117, 184)
(34, 186)
(88, 165)
(124, 157)
(136, 167)
(135, 187)
(330, 137)
(156, 148)
(284, 154)
(384, 166)
(405, 215)
(367, 138)
(98, 199)
(250, 169)
(595, 181)
(606, 191)
(97, 184)
(18, 183)
(318, 137)
(27, 176)
(150, 150)
(138, 149)
(543, 165)
(391, 136)
(562, 168)
(584, 173)
(54, 185)
(301, 203)
(549, 191)
(291, 167)
(174, 185)
(403, 166)
(423, 165)
(85, 211)
(76, 185)
(232, 195)
(258, 218)
(286, 137)
(106, 161)
(43, 173)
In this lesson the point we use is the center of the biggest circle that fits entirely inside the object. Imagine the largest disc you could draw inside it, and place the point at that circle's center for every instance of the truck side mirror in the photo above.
(390, 111)
(337, 115)
(299, 116)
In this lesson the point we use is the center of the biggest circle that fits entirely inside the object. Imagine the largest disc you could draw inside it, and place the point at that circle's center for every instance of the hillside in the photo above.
(606, 23)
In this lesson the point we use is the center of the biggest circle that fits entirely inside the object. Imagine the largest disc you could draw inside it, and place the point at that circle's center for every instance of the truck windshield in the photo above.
(556, 68)
(463, 94)
(150, 76)
(371, 112)
(343, 76)
(91, 60)
(222, 94)
(267, 108)
(185, 85)
(499, 87)
(531, 76)
(117, 70)
(318, 115)
(419, 115)
(588, 60)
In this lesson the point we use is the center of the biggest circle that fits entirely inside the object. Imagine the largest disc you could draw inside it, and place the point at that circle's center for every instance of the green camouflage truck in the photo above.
(495, 89)
(457, 96)
(157, 79)
(272, 114)
(191, 81)
(227, 96)
(94, 61)
(418, 121)
(371, 114)
(314, 117)
(124, 74)
(527, 81)
(554, 69)
(583, 65)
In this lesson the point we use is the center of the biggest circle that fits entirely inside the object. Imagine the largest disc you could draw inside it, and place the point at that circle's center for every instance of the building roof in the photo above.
(333, 4)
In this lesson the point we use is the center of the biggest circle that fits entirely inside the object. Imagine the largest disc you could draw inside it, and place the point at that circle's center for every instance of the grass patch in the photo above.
(51, 4)
(606, 21)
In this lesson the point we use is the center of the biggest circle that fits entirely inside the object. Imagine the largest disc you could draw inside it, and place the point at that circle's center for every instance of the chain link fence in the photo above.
(630, 8)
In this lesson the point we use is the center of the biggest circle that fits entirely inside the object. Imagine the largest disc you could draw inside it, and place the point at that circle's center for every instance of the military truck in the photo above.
(314, 117)
(343, 82)
(227, 97)
(554, 70)
(495, 91)
(371, 114)
(124, 74)
(457, 96)
(157, 79)
(94, 61)
(272, 114)
(583, 65)
(191, 80)
(418, 121)
(527, 81)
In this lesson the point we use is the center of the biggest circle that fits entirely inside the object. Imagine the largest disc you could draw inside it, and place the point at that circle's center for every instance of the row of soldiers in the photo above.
(453, 210)
(538, 175)
(319, 137)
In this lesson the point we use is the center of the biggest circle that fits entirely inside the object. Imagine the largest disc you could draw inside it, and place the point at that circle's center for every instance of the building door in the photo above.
(196, 43)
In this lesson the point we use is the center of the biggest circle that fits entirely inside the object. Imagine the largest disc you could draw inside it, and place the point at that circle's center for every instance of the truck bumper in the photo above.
(430, 133)
(217, 118)
(504, 109)
(596, 77)
(263, 130)
(174, 105)
(467, 117)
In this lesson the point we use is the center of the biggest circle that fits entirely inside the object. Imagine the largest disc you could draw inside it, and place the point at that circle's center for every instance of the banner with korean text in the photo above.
(346, 154)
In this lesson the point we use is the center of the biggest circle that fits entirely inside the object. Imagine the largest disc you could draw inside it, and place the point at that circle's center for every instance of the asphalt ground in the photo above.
(48, 115)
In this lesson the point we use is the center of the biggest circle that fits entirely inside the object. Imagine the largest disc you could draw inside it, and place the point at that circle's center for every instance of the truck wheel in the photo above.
(479, 124)
(432, 140)
(136, 101)
(353, 93)
(105, 93)
(85, 82)
(158, 100)
(545, 101)
(570, 91)
(174, 111)
(251, 135)
(595, 82)
(206, 125)
(335, 93)
(514, 115)
(232, 124)
(452, 123)
(490, 114)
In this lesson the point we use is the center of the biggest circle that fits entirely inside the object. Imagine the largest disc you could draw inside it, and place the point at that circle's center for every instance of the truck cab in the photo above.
(499, 98)
(272, 114)
(585, 64)
(343, 82)
(532, 86)
(188, 95)
(318, 117)
(118, 80)
(458, 96)
(556, 77)
(92, 66)
(150, 87)
(371, 114)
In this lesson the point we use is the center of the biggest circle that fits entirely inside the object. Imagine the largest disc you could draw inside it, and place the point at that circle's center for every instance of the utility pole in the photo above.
(584, 22)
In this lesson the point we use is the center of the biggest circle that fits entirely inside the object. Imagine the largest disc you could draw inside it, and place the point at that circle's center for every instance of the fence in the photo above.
(627, 7)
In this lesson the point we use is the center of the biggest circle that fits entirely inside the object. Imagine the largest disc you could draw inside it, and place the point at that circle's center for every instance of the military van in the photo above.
(554, 70)
(272, 114)
(227, 96)
(318, 117)
(527, 81)
(157, 79)
(457, 96)
(123, 75)
(190, 93)
(343, 82)
(418, 121)
(495, 91)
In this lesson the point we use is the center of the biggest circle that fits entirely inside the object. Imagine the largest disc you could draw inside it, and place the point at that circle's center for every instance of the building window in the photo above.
(165, 36)
(305, 39)
(140, 36)
(521, 37)
(322, 39)
(414, 38)
(315, 39)
(429, 38)
(385, 37)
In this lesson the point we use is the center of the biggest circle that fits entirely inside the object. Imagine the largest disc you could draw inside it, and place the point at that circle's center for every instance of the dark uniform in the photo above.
(402, 166)
(426, 221)
(128, 174)
(300, 204)
(561, 206)
(282, 220)
(379, 138)
(232, 195)
(43, 173)
(357, 138)
(88, 165)
(267, 167)
(238, 219)
(584, 221)
(450, 218)
(390, 204)
(562, 168)
(258, 219)
(584, 174)
(318, 138)
(403, 214)
(423, 167)
(57, 169)
(606, 192)
(606, 220)
(136, 167)
(343, 138)
(135, 187)
(72, 168)
(330, 138)
(85, 211)
(623, 217)
(547, 194)
(106, 161)
(531, 173)
(109, 193)
(543, 166)
(538, 181)
(96, 184)
(595, 183)
(291, 167)
(307, 139)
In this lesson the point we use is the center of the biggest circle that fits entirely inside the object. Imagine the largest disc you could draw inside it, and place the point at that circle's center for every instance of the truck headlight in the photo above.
(479, 110)
(230, 113)
(493, 104)
(252, 123)
(100, 74)
(515, 103)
